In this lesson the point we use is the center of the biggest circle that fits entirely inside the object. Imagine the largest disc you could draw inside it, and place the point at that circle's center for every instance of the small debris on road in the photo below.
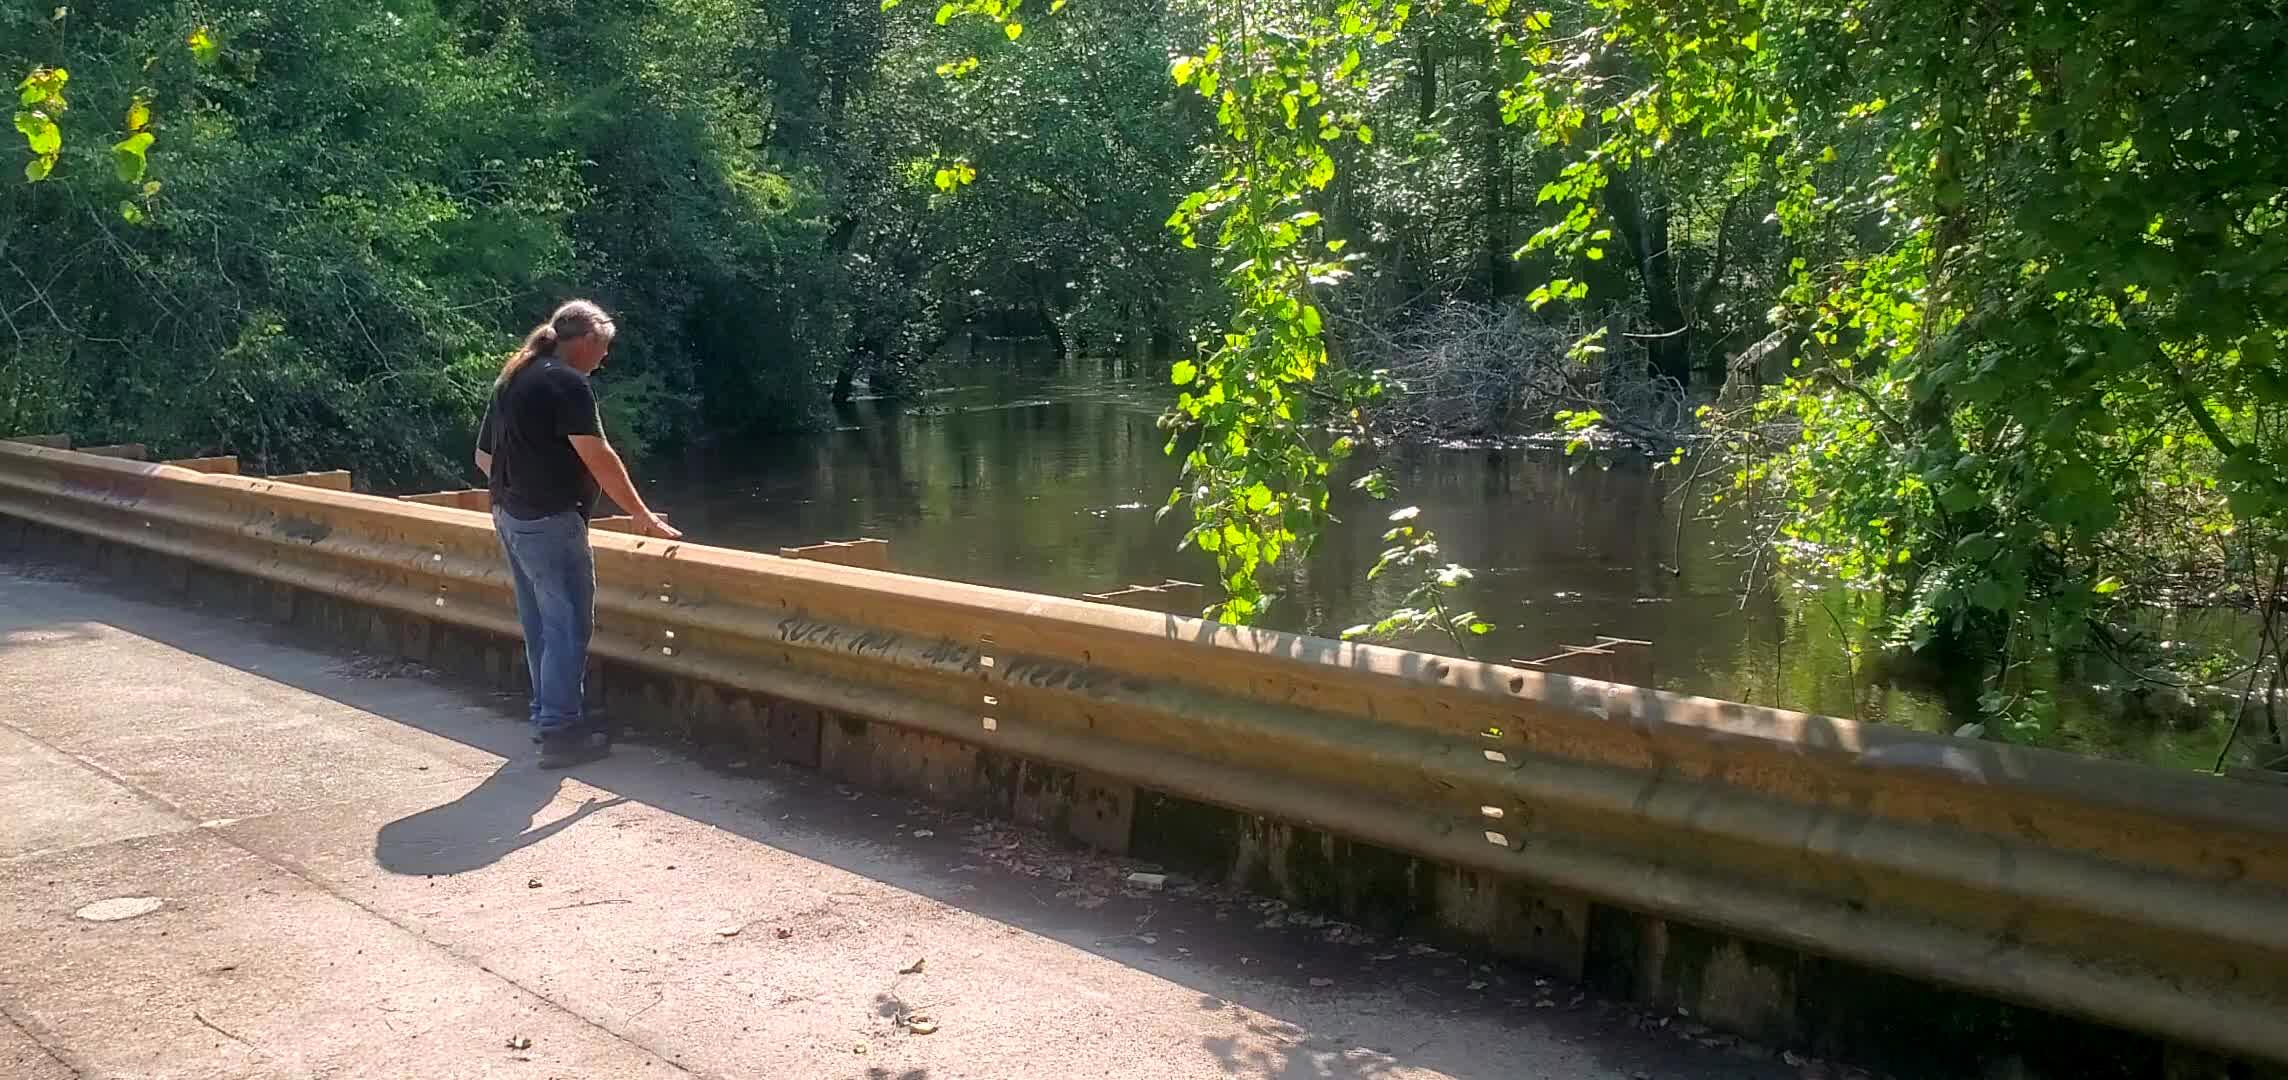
(914, 968)
(1154, 882)
(1322, 983)
(532, 883)
(924, 834)
(919, 1023)
(785, 933)
(118, 908)
(730, 931)
(519, 1042)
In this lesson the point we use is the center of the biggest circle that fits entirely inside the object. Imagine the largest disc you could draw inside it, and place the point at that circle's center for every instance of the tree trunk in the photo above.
(1494, 168)
(845, 380)
(1669, 345)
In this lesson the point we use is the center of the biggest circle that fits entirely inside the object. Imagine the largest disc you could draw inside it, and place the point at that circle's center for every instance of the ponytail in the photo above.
(577, 318)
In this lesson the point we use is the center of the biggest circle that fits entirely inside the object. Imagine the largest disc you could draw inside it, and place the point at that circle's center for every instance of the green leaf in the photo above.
(1366, 134)
(128, 156)
(139, 115)
(44, 86)
(38, 168)
(40, 133)
(203, 46)
(1183, 67)
(1015, 30)
(1259, 497)
(1183, 373)
(2107, 587)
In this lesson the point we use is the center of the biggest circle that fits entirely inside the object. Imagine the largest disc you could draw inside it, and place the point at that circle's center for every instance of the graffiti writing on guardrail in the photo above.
(1071, 678)
(818, 634)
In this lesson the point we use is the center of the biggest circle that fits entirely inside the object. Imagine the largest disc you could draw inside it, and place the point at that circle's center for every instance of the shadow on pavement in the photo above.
(1291, 971)
(476, 830)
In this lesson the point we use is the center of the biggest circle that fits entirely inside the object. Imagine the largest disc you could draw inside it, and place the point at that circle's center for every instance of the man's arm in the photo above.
(488, 438)
(611, 474)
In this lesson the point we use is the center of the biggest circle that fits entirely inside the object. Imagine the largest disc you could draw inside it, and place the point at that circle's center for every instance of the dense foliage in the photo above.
(1984, 298)
(343, 215)
(2014, 273)
(2034, 287)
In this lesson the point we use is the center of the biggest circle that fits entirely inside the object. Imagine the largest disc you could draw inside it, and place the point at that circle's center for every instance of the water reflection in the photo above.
(1048, 482)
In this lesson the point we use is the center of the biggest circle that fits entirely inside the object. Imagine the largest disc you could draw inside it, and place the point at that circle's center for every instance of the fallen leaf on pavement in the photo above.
(921, 1024)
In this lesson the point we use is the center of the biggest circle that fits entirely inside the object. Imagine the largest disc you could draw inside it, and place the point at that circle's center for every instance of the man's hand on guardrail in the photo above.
(655, 525)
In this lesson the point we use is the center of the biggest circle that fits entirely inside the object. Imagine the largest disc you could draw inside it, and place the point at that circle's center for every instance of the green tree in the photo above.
(2033, 249)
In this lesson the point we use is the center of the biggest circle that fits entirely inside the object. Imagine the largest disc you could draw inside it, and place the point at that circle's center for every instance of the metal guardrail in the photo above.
(2148, 899)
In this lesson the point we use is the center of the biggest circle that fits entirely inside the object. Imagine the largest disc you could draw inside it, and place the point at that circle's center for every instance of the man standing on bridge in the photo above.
(542, 448)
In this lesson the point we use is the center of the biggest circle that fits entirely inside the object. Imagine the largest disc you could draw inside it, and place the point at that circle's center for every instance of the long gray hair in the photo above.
(577, 318)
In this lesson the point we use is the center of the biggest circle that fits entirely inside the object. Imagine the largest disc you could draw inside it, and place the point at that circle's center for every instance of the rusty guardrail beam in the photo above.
(2140, 897)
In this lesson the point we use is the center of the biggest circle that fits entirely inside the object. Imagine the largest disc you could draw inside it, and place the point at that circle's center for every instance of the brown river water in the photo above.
(1046, 479)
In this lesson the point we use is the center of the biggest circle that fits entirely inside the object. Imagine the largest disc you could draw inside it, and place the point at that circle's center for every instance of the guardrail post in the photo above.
(225, 465)
(863, 553)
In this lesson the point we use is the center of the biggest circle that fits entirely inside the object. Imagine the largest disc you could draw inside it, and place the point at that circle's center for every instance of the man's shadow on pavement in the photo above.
(479, 828)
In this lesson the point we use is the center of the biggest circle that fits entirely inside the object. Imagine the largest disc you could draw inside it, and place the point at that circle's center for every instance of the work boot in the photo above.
(563, 751)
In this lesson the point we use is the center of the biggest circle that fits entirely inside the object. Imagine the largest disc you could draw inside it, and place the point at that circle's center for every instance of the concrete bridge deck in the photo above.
(351, 870)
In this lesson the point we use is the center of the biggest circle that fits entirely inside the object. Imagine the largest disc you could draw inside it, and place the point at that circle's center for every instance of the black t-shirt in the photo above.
(528, 429)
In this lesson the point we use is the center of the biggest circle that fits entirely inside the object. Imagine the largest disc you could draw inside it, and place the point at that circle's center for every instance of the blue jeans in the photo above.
(555, 576)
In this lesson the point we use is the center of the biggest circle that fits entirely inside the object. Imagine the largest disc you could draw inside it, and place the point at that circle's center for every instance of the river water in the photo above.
(1046, 479)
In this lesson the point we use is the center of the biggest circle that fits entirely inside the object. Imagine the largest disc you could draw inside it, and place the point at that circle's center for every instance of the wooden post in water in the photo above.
(863, 553)
(1611, 659)
(477, 499)
(226, 465)
(331, 480)
(1170, 597)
